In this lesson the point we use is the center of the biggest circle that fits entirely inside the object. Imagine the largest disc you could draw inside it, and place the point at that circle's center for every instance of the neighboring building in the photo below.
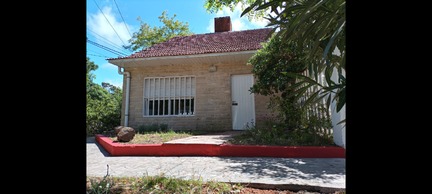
(197, 82)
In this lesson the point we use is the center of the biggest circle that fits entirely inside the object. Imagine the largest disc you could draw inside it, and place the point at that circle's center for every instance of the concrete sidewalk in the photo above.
(315, 172)
(216, 139)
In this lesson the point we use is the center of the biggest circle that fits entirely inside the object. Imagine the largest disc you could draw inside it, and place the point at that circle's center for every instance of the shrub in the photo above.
(152, 128)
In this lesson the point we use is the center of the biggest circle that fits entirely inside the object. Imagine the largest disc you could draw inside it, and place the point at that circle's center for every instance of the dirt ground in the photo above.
(245, 190)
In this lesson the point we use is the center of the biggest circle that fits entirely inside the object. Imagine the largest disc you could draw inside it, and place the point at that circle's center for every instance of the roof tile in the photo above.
(219, 42)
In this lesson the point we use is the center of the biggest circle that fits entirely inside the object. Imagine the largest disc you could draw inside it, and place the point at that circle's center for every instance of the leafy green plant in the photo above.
(163, 127)
(276, 134)
(161, 184)
(273, 66)
(314, 27)
(103, 106)
(309, 138)
(148, 36)
(155, 127)
(268, 135)
(155, 137)
(317, 123)
(102, 186)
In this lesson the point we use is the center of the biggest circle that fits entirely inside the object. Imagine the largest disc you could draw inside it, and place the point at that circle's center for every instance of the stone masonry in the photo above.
(213, 96)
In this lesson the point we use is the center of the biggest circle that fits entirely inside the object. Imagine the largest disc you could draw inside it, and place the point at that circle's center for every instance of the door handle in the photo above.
(234, 103)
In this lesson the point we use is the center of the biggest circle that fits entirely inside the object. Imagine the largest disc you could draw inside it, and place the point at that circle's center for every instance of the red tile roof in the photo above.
(220, 42)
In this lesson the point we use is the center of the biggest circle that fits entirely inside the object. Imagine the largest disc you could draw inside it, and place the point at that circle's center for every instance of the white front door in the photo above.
(243, 102)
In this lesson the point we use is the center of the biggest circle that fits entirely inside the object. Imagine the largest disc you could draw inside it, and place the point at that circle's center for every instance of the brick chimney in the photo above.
(222, 24)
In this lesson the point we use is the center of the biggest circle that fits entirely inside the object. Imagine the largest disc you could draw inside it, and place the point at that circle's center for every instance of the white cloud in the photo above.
(98, 24)
(238, 25)
(259, 23)
(115, 82)
(237, 22)
(109, 66)
(110, 74)
(210, 27)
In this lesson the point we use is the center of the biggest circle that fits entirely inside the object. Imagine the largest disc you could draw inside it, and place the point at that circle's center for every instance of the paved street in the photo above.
(322, 172)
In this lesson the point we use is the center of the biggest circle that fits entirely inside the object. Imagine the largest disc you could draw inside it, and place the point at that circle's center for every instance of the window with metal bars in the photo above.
(169, 96)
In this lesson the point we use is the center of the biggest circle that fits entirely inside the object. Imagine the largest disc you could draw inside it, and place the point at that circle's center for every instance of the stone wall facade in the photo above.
(213, 96)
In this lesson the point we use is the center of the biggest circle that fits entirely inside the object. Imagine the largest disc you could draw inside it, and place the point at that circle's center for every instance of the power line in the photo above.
(106, 48)
(109, 22)
(96, 52)
(124, 22)
(112, 43)
(97, 55)
(108, 41)
(93, 51)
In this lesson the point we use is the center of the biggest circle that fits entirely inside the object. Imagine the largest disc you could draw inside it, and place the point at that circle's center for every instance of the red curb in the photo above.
(118, 149)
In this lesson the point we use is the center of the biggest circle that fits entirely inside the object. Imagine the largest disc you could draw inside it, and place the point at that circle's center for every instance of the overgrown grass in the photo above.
(269, 134)
(100, 185)
(276, 135)
(155, 137)
(157, 184)
(252, 136)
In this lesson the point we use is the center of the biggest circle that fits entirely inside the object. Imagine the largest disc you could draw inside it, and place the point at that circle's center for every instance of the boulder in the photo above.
(117, 129)
(125, 134)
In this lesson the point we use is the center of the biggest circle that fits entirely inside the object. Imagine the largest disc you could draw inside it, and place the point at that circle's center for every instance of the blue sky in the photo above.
(110, 24)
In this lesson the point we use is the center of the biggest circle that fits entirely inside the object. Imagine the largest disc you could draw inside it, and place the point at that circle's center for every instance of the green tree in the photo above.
(214, 6)
(91, 66)
(148, 36)
(317, 27)
(103, 103)
(270, 66)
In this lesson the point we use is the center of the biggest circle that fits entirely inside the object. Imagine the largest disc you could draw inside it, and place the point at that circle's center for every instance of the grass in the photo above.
(252, 136)
(280, 137)
(155, 137)
(156, 184)
(161, 184)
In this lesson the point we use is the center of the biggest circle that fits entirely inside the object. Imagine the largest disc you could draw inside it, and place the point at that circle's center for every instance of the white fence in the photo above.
(318, 111)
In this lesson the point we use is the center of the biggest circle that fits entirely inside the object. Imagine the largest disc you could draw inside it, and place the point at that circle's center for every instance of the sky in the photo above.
(111, 23)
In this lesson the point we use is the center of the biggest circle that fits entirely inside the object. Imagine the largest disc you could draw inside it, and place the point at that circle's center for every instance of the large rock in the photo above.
(117, 129)
(125, 134)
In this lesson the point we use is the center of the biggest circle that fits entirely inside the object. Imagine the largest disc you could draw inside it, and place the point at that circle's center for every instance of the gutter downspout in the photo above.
(127, 95)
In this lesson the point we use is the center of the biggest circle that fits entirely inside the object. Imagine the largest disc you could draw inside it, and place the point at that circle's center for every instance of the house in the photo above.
(196, 82)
